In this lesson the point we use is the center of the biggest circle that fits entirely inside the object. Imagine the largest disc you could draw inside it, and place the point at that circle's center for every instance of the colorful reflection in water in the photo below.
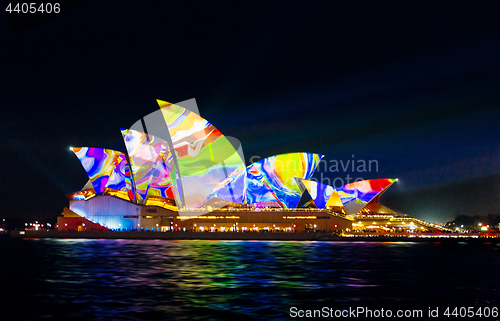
(238, 280)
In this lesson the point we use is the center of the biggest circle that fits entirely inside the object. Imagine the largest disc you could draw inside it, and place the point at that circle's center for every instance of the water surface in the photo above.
(51, 279)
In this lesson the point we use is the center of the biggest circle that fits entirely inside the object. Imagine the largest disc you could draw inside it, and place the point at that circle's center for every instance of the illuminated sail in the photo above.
(120, 179)
(319, 192)
(144, 151)
(356, 195)
(98, 163)
(274, 178)
(204, 156)
(161, 183)
(232, 189)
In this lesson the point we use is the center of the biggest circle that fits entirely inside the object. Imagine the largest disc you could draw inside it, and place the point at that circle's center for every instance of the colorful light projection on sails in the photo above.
(323, 196)
(320, 193)
(273, 178)
(205, 157)
(120, 179)
(258, 188)
(233, 188)
(356, 195)
(145, 152)
(161, 183)
(99, 164)
(178, 154)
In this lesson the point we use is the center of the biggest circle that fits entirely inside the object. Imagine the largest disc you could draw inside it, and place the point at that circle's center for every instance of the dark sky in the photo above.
(412, 85)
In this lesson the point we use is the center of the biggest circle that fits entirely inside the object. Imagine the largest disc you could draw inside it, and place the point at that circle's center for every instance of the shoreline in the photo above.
(239, 236)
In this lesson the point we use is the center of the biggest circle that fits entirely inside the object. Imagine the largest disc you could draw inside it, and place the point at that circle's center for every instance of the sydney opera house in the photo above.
(180, 173)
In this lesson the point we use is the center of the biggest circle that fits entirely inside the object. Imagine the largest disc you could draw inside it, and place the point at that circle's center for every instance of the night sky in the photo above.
(412, 85)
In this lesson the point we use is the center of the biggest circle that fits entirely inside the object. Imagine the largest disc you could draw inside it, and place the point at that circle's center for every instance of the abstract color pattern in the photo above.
(144, 152)
(161, 183)
(204, 156)
(356, 195)
(274, 177)
(258, 188)
(120, 179)
(320, 193)
(233, 188)
(98, 163)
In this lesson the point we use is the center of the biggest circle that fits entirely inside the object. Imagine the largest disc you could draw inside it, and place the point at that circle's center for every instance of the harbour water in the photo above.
(80, 279)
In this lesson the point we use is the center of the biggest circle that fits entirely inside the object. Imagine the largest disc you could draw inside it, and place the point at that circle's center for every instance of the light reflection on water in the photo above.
(238, 280)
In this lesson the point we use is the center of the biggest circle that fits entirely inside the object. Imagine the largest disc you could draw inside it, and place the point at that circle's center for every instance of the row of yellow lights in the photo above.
(237, 217)
(374, 216)
(206, 217)
(402, 222)
(300, 217)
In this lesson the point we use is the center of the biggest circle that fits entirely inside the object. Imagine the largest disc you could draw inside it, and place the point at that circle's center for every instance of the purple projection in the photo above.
(99, 164)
